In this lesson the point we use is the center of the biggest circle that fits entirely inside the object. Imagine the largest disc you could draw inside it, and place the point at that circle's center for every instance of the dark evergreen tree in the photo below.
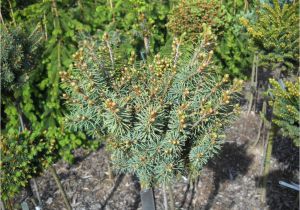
(19, 56)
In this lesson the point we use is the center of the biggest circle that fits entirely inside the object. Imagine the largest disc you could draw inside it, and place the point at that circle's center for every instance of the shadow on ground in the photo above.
(231, 162)
(277, 196)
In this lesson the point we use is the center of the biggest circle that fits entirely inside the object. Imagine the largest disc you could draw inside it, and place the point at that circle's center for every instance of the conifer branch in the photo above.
(153, 111)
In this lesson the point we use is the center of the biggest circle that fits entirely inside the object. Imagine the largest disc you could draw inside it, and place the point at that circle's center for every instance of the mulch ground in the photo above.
(229, 181)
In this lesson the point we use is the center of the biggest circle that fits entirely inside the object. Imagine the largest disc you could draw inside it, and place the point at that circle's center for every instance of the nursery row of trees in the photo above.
(156, 82)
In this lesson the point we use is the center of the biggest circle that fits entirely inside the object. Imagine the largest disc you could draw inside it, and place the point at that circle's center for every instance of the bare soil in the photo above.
(229, 181)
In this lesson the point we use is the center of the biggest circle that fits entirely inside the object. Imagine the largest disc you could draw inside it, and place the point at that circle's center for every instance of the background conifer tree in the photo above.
(233, 52)
(19, 56)
(275, 34)
(188, 17)
(286, 100)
